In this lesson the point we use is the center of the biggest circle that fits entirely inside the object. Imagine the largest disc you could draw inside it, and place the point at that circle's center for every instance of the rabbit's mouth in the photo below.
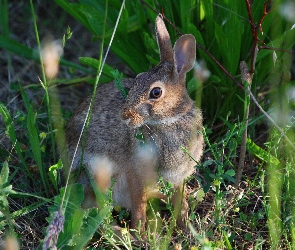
(131, 118)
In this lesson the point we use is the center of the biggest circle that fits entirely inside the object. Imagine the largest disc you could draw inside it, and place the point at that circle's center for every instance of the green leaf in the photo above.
(185, 12)
(73, 197)
(94, 17)
(5, 187)
(130, 54)
(230, 172)
(91, 221)
(248, 236)
(261, 153)
(5, 191)
(192, 29)
(73, 9)
(199, 195)
(53, 176)
(75, 226)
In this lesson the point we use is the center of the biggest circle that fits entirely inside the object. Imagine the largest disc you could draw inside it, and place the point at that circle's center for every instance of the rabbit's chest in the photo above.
(169, 159)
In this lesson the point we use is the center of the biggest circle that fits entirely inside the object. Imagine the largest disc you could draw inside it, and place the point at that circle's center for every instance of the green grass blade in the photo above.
(72, 10)
(261, 153)
(4, 21)
(25, 98)
(226, 241)
(12, 134)
(71, 199)
(92, 221)
(35, 145)
(275, 182)
(28, 53)
(18, 49)
(28, 209)
(94, 63)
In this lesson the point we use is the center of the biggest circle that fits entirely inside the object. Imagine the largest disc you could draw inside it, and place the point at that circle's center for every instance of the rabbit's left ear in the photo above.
(163, 39)
(184, 54)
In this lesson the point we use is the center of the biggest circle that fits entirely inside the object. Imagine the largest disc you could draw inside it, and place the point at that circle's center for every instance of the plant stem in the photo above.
(247, 80)
(44, 85)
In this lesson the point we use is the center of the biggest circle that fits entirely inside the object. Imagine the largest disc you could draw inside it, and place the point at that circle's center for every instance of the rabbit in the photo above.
(157, 105)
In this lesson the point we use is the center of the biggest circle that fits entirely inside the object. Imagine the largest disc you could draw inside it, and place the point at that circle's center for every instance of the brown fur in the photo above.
(168, 123)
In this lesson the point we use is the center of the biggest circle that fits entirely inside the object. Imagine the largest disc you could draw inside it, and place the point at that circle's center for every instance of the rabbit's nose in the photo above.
(126, 114)
(131, 117)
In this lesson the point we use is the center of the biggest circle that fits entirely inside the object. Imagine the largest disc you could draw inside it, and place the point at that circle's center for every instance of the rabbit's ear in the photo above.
(184, 53)
(163, 39)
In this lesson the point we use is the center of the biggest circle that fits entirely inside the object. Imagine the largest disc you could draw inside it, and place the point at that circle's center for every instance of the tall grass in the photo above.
(264, 199)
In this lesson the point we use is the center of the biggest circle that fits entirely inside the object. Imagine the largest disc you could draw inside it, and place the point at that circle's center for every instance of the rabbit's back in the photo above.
(106, 134)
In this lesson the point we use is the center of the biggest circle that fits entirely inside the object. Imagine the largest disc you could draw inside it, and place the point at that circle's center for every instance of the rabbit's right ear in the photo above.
(185, 54)
(163, 39)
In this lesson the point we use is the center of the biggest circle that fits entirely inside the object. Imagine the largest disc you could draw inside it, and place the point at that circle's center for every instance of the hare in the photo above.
(158, 106)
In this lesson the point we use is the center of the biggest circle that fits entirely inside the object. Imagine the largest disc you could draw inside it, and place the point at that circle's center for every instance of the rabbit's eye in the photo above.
(155, 93)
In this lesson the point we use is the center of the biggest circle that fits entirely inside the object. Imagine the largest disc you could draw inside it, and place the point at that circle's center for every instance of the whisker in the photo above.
(149, 132)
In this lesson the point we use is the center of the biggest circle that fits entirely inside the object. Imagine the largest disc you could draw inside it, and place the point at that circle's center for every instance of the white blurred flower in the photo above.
(274, 57)
(51, 53)
(201, 71)
(10, 243)
(284, 113)
(287, 10)
(101, 168)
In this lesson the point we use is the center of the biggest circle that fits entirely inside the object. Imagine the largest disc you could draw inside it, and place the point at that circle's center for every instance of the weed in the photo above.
(258, 212)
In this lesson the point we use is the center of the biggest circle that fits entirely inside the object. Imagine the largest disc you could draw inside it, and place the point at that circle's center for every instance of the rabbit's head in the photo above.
(159, 96)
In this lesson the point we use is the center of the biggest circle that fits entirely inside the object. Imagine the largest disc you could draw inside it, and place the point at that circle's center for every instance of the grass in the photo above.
(257, 212)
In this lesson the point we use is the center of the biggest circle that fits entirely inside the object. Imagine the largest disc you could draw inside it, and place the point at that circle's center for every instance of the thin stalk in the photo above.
(44, 83)
(247, 80)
